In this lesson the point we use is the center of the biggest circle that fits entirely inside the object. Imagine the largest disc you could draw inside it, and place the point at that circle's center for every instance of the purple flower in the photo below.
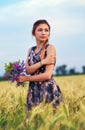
(14, 70)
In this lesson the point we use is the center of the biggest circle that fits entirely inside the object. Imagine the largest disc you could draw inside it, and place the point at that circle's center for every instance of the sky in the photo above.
(67, 21)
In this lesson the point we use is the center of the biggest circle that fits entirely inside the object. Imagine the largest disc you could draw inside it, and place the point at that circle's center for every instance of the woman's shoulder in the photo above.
(51, 46)
(31, 48)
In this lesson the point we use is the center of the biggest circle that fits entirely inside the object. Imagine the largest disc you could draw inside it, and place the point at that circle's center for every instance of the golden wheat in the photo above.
(70, 115)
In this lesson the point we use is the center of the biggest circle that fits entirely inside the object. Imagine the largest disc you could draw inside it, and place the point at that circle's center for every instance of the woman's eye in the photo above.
(39, 29)
(46, 30)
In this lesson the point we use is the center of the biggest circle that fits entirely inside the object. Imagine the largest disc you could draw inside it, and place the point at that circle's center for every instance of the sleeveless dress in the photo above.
(46, 90)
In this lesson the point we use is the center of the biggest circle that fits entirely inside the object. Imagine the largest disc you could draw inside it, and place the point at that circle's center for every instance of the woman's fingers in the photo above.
(21, 79)
(50, 59)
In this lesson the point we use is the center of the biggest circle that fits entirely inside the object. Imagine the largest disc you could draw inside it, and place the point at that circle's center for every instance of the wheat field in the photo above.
(70, 115)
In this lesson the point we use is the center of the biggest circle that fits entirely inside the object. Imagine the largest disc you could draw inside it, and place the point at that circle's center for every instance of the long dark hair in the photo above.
(35, 25)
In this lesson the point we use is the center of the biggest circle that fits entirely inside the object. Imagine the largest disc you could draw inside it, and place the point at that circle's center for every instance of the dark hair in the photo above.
(36, 24)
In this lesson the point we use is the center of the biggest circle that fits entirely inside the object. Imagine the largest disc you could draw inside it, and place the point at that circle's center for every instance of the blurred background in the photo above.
(67, 21)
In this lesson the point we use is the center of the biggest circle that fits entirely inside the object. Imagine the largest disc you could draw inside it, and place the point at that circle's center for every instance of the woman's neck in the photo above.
(40, 44)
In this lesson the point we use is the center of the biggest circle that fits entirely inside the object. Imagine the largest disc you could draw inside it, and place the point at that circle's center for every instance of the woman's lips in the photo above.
(43, 37)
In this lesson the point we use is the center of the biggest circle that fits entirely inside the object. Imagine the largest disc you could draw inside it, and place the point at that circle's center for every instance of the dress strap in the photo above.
(46, 46)
(33, 48)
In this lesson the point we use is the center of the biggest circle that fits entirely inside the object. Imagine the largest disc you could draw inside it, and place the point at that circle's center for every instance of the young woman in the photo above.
(40, 64)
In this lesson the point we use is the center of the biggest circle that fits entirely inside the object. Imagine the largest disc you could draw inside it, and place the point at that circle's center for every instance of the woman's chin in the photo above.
(43, 40)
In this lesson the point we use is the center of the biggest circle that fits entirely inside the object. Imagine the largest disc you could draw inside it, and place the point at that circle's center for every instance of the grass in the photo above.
(70, 115)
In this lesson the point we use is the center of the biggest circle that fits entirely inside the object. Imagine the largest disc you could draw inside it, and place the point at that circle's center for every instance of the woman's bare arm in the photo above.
(33, 68)
(42, 76)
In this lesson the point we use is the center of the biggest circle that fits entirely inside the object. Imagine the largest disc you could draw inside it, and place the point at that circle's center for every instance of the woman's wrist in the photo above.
(27, 78)
(42, 62)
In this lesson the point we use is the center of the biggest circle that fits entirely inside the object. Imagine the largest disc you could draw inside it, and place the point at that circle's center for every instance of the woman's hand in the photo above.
(21, 78)
(49, 60)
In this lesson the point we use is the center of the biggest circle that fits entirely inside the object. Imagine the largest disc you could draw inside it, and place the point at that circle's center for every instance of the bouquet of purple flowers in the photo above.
(14, 70)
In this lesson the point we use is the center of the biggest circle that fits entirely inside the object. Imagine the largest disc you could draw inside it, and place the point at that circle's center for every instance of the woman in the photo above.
(40, 64)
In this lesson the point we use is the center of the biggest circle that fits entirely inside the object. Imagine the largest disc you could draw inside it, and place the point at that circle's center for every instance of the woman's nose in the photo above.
(43, 32)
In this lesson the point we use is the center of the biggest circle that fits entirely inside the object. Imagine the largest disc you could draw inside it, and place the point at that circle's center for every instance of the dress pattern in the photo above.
(47, 90)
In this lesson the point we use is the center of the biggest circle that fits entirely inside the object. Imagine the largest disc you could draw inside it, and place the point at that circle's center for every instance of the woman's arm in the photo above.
(31, 69)
(43, 76)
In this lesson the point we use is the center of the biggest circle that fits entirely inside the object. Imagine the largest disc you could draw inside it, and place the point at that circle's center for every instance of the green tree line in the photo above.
(62, 70)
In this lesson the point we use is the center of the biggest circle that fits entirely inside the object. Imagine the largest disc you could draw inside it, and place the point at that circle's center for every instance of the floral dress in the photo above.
(46, 90)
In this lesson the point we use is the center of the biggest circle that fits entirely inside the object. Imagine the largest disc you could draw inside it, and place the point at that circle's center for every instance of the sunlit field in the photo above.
(70, 115)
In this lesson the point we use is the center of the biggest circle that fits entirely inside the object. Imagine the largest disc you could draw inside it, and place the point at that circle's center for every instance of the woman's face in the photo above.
(42, 32)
